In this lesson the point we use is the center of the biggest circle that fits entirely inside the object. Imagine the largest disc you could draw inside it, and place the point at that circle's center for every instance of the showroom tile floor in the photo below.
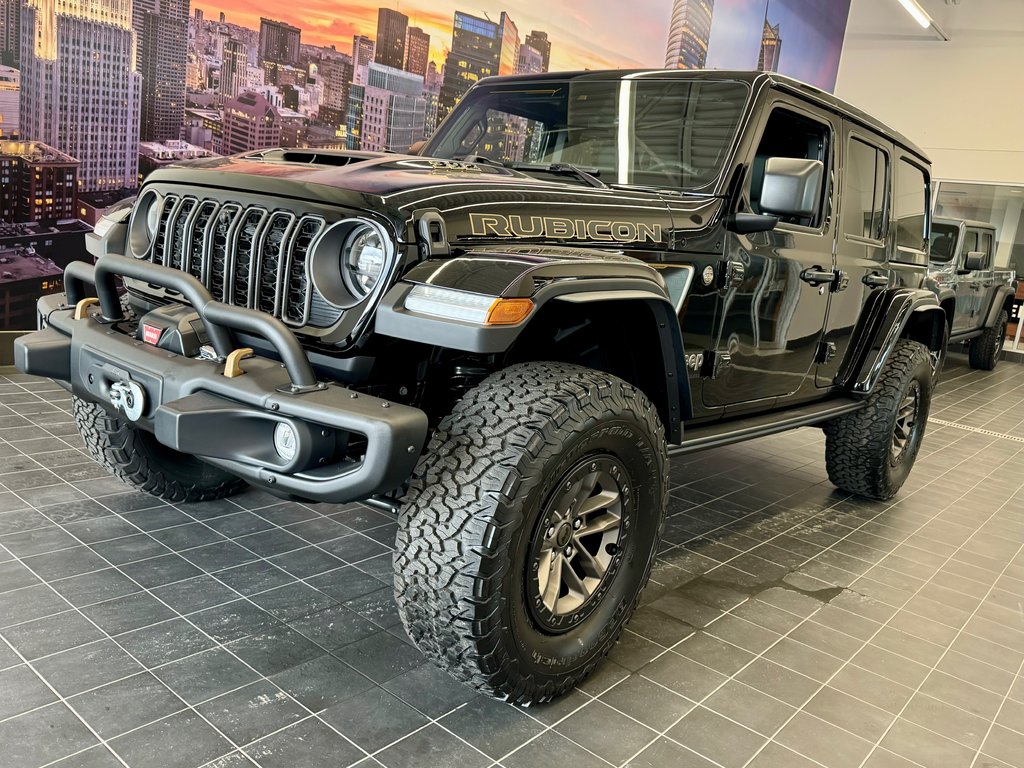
(787, 624)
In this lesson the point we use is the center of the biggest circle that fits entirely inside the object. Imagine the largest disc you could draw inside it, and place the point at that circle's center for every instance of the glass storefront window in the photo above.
(1001, 205)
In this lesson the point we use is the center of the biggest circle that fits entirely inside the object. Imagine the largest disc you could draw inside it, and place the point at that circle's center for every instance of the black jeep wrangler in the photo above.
(963, 275)
(505, 338)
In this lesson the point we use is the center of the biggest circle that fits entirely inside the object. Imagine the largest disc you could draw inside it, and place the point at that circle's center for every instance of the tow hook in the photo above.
(129, 397)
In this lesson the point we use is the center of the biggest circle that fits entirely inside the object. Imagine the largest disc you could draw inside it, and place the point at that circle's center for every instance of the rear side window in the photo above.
(986, 248)
(866, 171)
(911, 207)
(970, 241)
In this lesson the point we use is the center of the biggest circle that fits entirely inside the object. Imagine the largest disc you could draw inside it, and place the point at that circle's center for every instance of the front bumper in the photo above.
(348, 446)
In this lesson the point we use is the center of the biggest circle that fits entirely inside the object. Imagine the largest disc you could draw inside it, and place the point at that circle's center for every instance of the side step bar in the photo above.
(719, 433)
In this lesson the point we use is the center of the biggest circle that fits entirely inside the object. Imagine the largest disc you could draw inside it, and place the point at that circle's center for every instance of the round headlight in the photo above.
(152, 220)
(363, 259)
(145, 223)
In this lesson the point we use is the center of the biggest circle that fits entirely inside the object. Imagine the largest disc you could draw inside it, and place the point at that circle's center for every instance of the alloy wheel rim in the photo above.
(577, 546)
(906, 422)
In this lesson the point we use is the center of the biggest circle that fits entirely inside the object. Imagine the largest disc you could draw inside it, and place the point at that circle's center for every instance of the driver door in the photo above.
(773, 315)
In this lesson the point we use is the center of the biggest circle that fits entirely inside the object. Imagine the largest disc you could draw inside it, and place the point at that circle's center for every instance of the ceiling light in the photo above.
(914, 9)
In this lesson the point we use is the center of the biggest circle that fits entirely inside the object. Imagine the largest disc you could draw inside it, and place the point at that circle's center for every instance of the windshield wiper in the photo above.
(586, 175)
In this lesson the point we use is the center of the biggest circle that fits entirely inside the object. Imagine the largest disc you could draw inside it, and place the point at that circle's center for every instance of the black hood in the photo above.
(476, 200)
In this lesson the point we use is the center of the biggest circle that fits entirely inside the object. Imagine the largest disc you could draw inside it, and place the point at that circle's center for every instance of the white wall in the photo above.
(962, 101)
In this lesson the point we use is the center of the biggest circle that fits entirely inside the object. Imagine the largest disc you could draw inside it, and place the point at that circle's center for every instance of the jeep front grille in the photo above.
(246, 256)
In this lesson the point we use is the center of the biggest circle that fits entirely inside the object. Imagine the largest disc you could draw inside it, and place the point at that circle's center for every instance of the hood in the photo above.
(477, 201)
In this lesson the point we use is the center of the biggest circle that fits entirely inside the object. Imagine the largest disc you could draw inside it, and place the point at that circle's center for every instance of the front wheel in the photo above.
(870, 452)
(986, 350)
(530, 528)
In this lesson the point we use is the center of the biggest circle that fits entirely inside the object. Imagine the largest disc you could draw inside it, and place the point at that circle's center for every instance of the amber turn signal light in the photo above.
(509, 311)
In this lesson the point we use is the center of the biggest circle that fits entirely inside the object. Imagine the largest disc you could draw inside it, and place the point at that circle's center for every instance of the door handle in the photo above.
(875, 280)
(817, 276)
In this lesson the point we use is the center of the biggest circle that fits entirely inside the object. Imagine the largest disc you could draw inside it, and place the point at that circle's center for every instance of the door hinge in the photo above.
(733, 273)
(826, 352)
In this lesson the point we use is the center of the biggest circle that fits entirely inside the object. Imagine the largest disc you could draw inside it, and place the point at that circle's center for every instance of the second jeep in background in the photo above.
(963, 276)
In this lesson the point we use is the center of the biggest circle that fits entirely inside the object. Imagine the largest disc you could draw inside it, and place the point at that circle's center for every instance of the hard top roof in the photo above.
(754, 78)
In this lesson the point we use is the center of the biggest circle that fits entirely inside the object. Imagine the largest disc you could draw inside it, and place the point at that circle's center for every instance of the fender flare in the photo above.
(998, 304)
(575, 282)
(888, 317)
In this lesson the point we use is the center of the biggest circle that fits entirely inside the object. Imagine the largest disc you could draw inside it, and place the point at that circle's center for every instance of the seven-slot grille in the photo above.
(246, 256)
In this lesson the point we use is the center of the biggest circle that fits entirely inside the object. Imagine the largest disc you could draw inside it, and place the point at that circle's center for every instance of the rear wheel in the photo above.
(134, 456)
(986, 350)
(530, 528)
(870, 452)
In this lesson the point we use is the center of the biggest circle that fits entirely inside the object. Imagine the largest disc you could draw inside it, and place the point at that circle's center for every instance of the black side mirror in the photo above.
(792, 187)
(749, 223)
(975, 260)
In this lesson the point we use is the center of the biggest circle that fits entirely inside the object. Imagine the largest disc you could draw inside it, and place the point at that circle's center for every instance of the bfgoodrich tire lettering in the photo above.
(134, 456)
(870, 452)
(466, 540)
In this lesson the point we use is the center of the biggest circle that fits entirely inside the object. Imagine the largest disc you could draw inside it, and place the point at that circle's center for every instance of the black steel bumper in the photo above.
(348, 446)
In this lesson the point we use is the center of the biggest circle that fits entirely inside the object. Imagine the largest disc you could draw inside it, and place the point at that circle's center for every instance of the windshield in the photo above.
(944, 238)
(650, 132)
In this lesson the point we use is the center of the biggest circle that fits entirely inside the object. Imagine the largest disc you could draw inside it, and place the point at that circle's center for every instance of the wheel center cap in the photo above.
(563, 536)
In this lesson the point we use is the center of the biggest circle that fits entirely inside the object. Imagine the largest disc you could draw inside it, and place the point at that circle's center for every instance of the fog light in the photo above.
(286, 442)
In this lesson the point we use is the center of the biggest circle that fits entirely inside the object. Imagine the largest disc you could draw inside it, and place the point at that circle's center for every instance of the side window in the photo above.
(788, 134)
(866, 169)
(986, 248)
(970, 241)
(911, 207)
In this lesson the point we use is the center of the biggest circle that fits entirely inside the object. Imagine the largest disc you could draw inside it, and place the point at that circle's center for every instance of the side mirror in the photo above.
(415, 148)
(792, 187)
(975, 260)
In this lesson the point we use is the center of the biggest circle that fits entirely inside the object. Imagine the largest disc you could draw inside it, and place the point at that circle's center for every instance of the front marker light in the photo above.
(467, 307)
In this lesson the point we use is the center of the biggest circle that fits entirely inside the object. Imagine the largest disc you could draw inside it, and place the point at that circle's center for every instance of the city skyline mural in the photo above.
(96, 94)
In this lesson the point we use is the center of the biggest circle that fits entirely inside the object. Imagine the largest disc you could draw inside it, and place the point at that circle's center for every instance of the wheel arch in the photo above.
(900, 313)
(1002, 301)
(630, 334)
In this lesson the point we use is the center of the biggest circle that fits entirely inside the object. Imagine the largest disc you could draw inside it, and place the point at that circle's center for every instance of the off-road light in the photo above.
(363, 259)
(286, 442)
(467, 307)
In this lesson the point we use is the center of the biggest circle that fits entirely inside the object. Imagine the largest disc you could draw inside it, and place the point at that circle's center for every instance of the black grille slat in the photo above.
(247, 256)
(296, 293)
(198, 237)
(220, 249)
(174, 249)
(273, 254)
(246, 238)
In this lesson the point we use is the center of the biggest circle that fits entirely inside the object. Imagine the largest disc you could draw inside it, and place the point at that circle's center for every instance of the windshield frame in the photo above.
(716, 183)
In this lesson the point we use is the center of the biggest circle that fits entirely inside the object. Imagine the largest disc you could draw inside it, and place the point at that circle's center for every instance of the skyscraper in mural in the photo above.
(362, 51)
(233, 68)
(417, 51)
(161, 37)
(539, 42)
(279, 42)
(771, 48)
(10, 32)
(391, 31)
(688, 34)
(83, 41)
(475, 54)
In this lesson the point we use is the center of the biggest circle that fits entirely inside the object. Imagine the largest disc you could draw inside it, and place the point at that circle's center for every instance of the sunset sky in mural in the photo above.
(580, 32)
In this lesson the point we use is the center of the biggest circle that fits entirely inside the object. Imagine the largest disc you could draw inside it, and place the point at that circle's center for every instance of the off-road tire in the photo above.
(474, 505)
(135, 457)
(859, 446)
(987, 350)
